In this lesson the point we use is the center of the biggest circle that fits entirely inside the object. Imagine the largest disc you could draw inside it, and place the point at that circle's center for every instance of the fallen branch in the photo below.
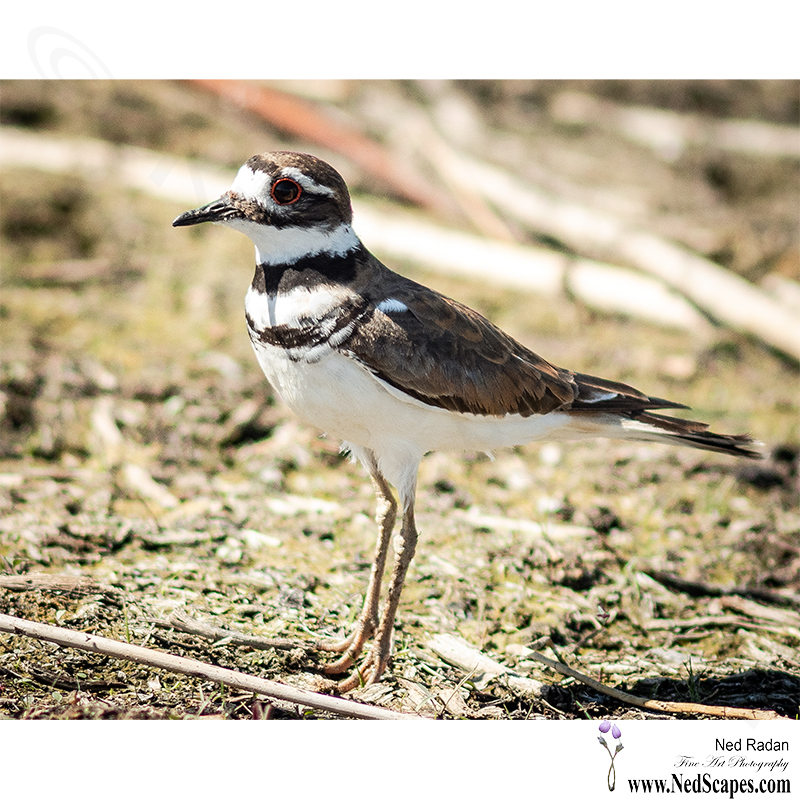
(71, 584)
(700, 589)
(184, 623)
(693, 622)
(310, 123)
(468, 658)
(670, 133)
(595, 231)
(664, 706)
(196, 669)
(788, 619)
(604, 287)
(722, 294)
(481, 668)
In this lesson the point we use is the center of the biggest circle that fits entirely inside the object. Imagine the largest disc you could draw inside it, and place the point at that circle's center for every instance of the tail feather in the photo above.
(688, 432)
(630, 408)
(602, 394)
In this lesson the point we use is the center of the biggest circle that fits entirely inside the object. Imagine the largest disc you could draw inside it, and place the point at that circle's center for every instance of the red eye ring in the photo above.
(285, 191)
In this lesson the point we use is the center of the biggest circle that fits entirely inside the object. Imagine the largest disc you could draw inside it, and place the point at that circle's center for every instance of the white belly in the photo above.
(340, 396)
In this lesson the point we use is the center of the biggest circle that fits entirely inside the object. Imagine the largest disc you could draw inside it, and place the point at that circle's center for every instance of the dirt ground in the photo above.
(142, 451)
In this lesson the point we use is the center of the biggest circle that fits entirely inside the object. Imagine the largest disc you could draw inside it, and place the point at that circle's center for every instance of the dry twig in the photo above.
(313, 124)
(197, 669)
(184, 623)
(71, 584)
(604, 287)
(721, 293)
(700, 589)
(589, 230)
(458, 652)
(670, 133)
(663, 706)
(481, 668)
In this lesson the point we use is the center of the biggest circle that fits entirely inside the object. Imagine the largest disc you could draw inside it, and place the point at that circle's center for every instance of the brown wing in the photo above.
(445, 354)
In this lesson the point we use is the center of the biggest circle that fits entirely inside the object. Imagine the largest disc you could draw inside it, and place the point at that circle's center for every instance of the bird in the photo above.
(396, 370)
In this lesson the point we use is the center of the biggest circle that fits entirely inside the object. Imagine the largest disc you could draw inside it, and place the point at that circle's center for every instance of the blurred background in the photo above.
(645, 231)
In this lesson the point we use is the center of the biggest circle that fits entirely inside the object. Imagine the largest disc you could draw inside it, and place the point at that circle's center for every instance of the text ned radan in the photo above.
(752, 745)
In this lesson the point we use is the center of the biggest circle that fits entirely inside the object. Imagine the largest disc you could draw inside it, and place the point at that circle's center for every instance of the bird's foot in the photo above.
(350, 648)
(365, 675)
(373, 667)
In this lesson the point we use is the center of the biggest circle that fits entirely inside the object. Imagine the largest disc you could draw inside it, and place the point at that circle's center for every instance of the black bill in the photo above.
(215, 211)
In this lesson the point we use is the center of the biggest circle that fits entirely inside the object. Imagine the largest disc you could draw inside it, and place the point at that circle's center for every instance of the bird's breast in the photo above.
(302, 325)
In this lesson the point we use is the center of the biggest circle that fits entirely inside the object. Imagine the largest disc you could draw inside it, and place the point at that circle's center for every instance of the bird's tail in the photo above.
(670, 430)
(627, 413)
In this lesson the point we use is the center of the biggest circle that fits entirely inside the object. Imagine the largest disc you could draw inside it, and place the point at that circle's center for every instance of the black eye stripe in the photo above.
(285, 191)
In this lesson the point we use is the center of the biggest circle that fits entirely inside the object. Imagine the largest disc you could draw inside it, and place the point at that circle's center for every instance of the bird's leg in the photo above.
(368, 619)
(405, 545)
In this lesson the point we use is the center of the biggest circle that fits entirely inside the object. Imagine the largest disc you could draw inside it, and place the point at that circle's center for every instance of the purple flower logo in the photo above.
(605, 726)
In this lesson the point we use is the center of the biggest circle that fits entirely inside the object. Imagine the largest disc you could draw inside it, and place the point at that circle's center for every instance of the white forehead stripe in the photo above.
(306, 182)
(255, 184)
(252, 184)
(390, 304)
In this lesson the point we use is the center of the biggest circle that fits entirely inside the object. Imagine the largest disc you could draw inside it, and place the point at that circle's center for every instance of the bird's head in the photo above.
(291, 205)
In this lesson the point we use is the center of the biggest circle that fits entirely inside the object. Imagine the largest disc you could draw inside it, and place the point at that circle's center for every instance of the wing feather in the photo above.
(447, 355)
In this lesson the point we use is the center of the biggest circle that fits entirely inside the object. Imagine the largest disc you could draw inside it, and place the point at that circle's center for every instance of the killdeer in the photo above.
(396, 370)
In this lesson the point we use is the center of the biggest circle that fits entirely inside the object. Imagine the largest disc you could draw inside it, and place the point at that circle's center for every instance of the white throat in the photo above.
(290, 244)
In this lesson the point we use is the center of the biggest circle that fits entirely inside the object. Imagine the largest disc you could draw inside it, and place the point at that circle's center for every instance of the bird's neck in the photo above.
(284, 246)
(309, 272)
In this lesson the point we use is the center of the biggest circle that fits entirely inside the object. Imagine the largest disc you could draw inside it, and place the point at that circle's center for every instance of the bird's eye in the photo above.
(286, 191)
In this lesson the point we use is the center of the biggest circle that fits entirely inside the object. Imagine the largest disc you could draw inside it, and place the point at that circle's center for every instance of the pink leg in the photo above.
(352, 646)
(372, 669)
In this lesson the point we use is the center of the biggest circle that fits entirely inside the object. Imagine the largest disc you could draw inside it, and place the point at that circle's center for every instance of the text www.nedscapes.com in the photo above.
(704, 784)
